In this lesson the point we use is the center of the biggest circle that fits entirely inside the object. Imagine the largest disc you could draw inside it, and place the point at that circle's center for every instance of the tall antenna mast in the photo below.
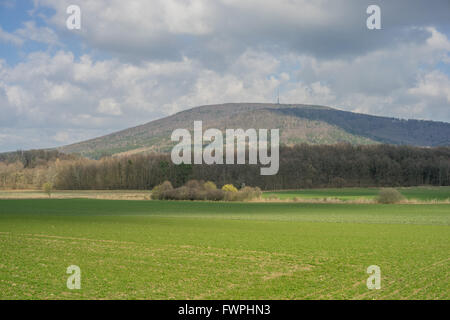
(278, 96)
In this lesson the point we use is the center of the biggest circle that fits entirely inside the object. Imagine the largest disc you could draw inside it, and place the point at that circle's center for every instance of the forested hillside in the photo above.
(297, 123)
(321, 147)
(382, 129)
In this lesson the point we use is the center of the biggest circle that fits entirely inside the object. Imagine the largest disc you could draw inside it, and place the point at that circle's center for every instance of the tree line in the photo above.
(302, 166)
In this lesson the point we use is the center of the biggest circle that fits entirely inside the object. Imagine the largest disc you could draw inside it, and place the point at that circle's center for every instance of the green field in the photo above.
(201, 250)
(415, 193)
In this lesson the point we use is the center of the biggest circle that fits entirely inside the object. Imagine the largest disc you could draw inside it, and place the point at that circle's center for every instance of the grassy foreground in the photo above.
(201, 250)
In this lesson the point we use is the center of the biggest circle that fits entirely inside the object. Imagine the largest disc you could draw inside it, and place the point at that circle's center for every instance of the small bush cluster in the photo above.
(47, 188)
(159, 190)
(200, 190)
(389, 196)
(244, 194)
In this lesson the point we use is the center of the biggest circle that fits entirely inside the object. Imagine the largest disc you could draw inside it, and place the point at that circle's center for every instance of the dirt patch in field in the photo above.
(62, 194)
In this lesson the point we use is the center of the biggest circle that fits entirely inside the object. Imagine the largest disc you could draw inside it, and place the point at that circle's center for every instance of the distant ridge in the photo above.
(298, 123)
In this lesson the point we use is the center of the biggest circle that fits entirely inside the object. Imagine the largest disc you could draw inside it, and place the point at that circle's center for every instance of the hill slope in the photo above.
(297, 124)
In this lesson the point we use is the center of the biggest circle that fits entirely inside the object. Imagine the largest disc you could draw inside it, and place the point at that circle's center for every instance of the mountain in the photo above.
(297, 123)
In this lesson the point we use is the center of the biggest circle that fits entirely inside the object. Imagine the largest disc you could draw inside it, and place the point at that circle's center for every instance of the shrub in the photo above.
(229, 188)
(197, 194)
(194, 184)
(209, 185)
(245, 194)
(193, 190)
(249, 193)
(230, 192)
(257, 192)
(181, 193)
(199, 190)
(159, 192)
(389, 195)
(215, 195)
(48, 188)
(230, 196)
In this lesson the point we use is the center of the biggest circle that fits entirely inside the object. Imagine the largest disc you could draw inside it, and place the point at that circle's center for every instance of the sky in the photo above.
(132, 62)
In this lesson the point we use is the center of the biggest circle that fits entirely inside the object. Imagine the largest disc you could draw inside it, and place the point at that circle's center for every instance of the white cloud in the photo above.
(109, 107)
(387, 82)
(164, 56)
(223, 29)
(62, 137)
(17, 97)
(10, 37)
(30, 32)
(39, 34)
(434, 84)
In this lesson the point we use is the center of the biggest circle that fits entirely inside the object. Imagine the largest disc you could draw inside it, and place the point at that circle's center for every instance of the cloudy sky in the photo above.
(135, 61)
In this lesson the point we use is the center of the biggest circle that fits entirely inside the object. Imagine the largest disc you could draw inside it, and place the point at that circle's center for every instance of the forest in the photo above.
(302, 166)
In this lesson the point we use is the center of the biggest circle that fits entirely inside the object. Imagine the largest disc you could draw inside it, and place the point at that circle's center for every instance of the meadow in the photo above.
(204, 250)
(420, 194)
(345, 194)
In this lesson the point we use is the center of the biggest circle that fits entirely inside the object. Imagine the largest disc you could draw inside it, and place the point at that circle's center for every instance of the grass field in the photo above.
(343, 194)
(201, 250)
(414, 193)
